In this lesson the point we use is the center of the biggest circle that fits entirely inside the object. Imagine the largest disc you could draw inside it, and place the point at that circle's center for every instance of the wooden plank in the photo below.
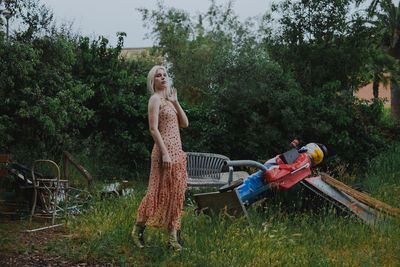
(364, 198)
(82, 170)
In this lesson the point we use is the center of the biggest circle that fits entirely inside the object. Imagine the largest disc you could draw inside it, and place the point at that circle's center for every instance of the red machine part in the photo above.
(285, 176)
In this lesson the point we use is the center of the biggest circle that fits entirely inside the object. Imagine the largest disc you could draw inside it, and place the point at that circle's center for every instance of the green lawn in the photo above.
(274, 238)
(278, 235)
(285, 232)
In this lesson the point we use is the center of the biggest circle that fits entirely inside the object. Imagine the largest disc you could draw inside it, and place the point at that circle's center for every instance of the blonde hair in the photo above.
(150, 79)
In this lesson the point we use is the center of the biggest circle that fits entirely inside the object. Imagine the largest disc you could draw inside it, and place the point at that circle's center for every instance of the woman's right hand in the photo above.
(166, 161)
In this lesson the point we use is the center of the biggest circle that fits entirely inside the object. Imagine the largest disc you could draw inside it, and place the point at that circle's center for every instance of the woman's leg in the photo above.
(137, 232)
(174, 239)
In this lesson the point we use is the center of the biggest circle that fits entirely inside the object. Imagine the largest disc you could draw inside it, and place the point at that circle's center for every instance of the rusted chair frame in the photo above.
(51, 187)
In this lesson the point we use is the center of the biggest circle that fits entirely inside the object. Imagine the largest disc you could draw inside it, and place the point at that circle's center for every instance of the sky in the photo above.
(105, 17)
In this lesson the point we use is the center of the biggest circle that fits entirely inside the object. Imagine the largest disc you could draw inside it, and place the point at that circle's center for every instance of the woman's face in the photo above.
(160, 80)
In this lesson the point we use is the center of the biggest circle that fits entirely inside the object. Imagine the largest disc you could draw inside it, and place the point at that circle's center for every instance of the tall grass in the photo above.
(270, 236)
(383, 176)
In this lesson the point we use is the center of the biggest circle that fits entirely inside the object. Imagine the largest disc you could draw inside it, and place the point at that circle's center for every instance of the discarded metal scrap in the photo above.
(367, 208)
(47, 189)
(281, 173)
(42, 194)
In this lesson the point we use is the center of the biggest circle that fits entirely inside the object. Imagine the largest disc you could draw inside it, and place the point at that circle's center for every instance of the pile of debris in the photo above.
(283, 172)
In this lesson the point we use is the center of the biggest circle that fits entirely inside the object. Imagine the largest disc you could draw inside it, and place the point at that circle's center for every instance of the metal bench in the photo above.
(204, 169)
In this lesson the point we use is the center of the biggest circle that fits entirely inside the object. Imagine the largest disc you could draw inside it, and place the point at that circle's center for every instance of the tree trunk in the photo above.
(395, 100)
(375, 86)
(394, 88)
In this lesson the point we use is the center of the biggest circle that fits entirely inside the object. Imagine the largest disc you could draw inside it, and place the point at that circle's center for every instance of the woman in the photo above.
(162, 205)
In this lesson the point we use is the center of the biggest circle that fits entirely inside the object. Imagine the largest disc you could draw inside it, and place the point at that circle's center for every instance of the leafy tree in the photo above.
(41, 102)
(381, 63)
(30, 17)
(390, 18)
(264, 88)
(59, 92)
(190, 45)
(315, 37)
(388, 21)
(329, 53)
(117, 134)
(237, 96)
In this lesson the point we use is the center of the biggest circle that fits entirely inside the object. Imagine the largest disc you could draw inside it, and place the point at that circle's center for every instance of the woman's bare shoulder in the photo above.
(154, 99)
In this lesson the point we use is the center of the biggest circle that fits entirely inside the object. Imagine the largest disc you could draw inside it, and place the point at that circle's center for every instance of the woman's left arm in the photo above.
(173, 98)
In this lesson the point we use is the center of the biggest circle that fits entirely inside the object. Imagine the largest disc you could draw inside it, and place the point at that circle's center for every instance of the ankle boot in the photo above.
(137, 235)
(175, 241)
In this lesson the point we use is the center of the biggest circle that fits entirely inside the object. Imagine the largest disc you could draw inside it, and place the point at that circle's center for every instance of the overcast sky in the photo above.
(105, 17)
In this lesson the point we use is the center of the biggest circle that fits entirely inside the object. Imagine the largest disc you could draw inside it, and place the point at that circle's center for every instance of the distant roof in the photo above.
(135, 48)
(129, 52)
(134, 52)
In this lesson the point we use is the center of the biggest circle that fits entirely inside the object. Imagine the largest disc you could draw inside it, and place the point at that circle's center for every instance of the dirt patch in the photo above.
(18, 248)
(35, 260)
(44, 260)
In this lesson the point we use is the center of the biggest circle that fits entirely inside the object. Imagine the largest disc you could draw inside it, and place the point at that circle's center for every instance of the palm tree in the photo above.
(372, 5)
(382, 63)
(388, 17)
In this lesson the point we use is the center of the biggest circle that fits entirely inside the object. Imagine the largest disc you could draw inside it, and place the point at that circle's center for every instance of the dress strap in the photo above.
(164, 101)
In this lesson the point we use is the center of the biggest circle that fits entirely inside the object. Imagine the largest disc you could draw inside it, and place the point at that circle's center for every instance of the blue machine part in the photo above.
(251, 189)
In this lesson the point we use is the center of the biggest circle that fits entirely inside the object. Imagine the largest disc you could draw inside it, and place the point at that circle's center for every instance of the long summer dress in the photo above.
(163, 202)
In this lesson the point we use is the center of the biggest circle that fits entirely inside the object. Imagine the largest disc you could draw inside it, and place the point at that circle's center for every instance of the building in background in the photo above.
(366, 92)
(136, 52)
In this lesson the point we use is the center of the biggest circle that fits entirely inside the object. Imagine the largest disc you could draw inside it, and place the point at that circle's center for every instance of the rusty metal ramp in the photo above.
(341, 199)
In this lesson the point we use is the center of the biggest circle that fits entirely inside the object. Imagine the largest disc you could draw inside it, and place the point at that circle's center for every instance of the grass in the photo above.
(383, 177)
(282, 233)
(276, 237)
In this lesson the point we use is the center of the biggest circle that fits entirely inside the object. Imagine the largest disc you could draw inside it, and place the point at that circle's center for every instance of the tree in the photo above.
(314, 38)
(328, 50)
(191, 46)
(380, 65)
(390, 18)
(261, 90)
(117, 134)
(41, 102)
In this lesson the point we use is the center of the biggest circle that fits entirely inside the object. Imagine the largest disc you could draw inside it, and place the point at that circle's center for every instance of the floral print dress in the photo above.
(162, 205)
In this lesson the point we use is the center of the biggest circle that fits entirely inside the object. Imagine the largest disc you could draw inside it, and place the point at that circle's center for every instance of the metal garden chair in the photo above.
(204, 169)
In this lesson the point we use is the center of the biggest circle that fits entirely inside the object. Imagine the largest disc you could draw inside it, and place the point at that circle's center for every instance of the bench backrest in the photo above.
(205, 165)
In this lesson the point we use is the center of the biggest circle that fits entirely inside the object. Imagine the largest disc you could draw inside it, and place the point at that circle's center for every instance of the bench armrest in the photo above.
(250, 163)
(230, 174)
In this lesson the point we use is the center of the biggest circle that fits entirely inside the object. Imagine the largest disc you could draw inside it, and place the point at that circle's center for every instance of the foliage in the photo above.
(69, 93)
(117, 133)
(383, 175)
(315, 37)
(188, 47)
(254, 92)
(247, 91)
(224, 73)
(41, 102)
